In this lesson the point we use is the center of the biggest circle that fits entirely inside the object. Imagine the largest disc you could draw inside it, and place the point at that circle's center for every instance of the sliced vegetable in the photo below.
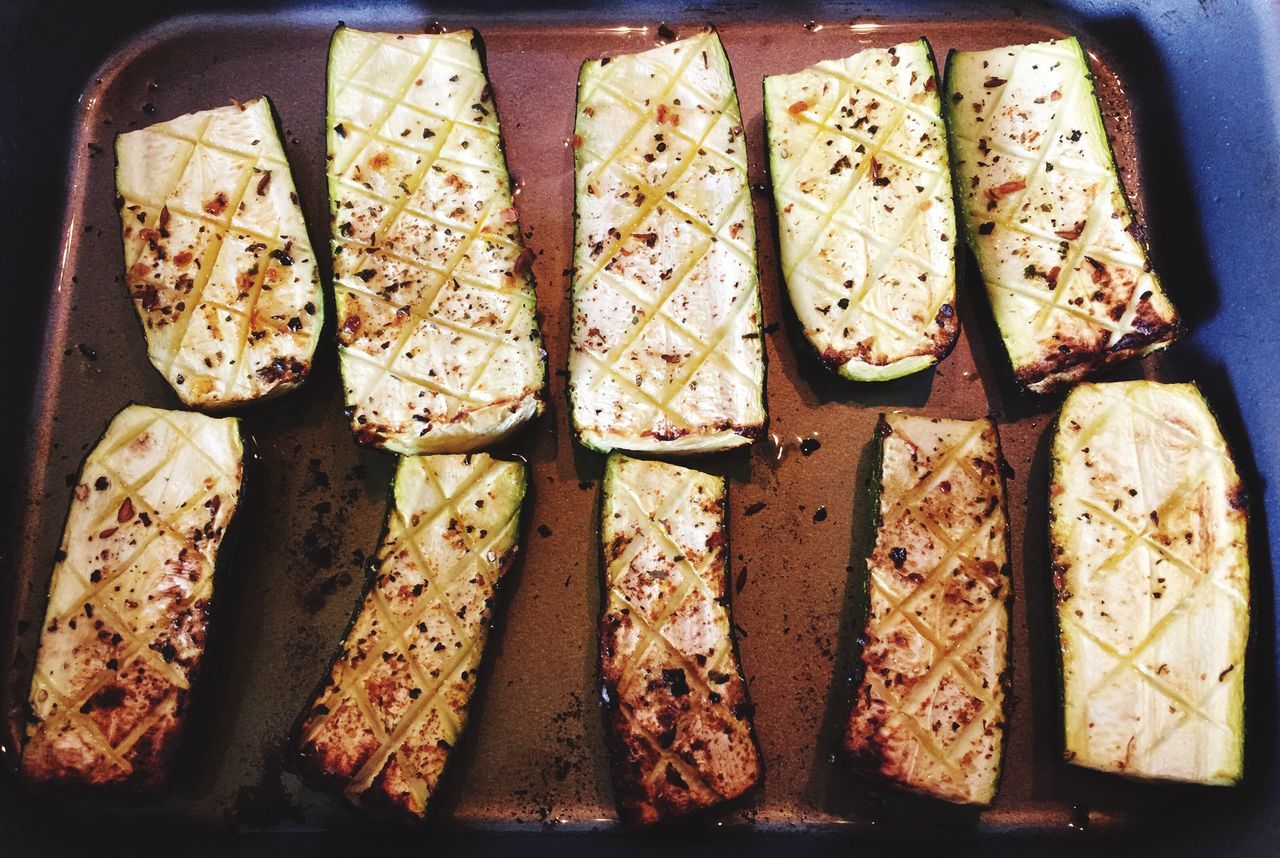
(866, 220)
(216, 255)
(677, 705)
(438, 339)
(395, 701)
(666, 347)
(124, 633)
(1044, 211)
(928, 713)
(1150, 563)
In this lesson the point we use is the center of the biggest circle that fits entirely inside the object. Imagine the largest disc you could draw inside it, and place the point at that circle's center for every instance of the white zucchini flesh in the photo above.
(124, 632)
(866, 218)
(1071, 287)
(1148, 538)
(928, 714)
(666, 351)
(395, 700)
(217, 257)
(438, 339)
(676, 701)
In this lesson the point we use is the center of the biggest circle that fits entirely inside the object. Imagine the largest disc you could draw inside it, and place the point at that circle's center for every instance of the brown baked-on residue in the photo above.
(677, 708)
(395, 700)
(928, 714)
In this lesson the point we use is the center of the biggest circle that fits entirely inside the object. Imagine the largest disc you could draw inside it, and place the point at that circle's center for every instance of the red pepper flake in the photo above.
(523, 264)
(577, 141)
(82, 492)
(930, 85)
(264, 183)
(1052, 276)
(1010, 187)
(649, 238)
(508, 215)
(183, 259)
(662, 113)
(1073, 233)
(351, 325)
(108, 533)
(217, 205)
(1099, 272)
(993, 82)
(798, 108)
(125, 512)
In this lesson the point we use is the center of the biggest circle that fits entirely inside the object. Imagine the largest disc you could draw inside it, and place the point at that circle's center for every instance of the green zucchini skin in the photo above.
(218, 259)
(666, 350)
(430, 265)
(1148, 535)
(381, 725)
(124, 633)
(928, 712)
(821, 285)
(1043, 210)
(677, 709)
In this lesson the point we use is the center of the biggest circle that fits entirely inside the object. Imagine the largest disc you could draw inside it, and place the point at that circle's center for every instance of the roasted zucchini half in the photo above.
(124, 632)
(217, 258)
(666, 351)
(1151, 568)
(437, 332)
(676, 705)
(928, 712)
(1046, 215)
(866, 218)
(395, 700)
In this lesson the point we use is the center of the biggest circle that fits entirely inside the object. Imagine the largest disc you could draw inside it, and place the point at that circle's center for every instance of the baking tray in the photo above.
(534, 760)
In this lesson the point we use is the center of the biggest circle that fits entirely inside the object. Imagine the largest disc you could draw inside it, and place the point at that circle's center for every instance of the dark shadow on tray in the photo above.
(1171, 214)
(1042, 714)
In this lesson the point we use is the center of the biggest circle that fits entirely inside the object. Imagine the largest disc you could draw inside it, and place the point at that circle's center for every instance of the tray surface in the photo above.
(535, 754)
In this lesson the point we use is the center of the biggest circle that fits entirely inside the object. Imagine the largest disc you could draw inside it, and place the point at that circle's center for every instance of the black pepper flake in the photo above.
(809, 446)
(280, 256)
(986, 228)
(820, 515)
(674, 679)
(340, 130)
(102, 484)
(898, 556)
(544, 531)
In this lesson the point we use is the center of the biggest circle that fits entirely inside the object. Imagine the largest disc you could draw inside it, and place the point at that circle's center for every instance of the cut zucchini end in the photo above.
(865, 209)
(217, 257)
(451, 535)
(666, 348)
(1070, 284)
(437, 314)
(667, 655)
(1148, 533)
(928, 713)
(114, 670)
(858, 371)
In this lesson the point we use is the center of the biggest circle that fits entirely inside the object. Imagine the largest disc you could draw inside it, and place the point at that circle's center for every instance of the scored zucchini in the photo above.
(666, 351)
(438, 339)
(1046, 215)
(676, 703)
(395, 700)
(1150, 563)
(124, 632)
(866, 219)
(928, 713)
(217, 258)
